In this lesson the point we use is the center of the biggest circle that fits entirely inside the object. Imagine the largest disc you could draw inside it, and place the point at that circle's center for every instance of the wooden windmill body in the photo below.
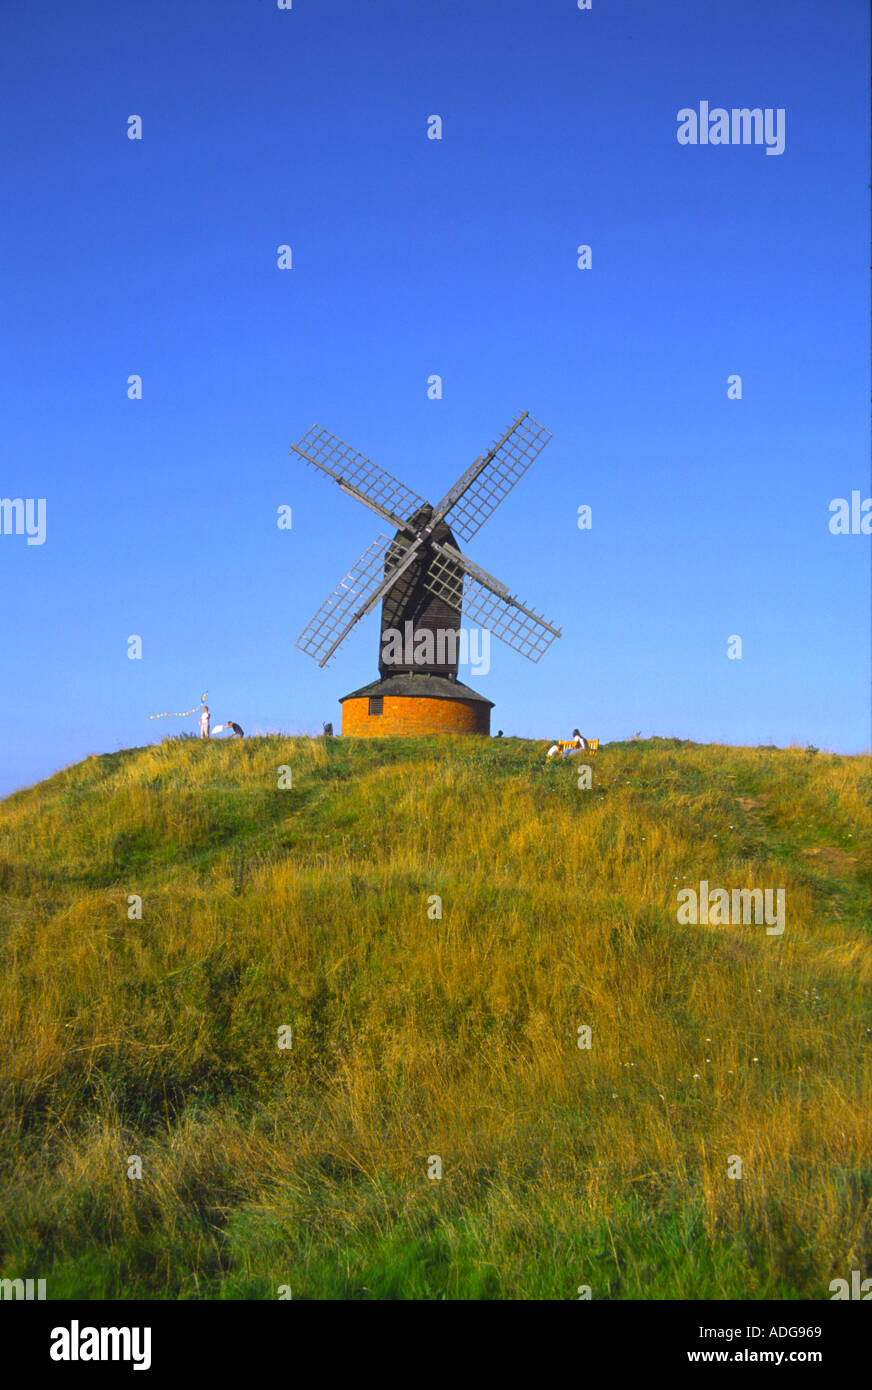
(424, 583)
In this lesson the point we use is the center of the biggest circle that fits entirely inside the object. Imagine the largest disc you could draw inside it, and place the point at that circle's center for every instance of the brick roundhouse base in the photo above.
(414, 704)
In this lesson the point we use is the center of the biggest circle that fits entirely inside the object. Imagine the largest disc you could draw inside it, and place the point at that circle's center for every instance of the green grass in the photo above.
(415, 1035)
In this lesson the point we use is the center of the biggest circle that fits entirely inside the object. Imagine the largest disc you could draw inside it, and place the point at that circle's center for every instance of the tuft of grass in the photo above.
(416, 1035)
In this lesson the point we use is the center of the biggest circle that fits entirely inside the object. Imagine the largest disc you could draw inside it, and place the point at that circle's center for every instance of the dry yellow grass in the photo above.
(454, 1036)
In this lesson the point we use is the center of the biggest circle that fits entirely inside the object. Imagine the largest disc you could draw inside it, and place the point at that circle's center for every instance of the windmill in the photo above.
(424, 583)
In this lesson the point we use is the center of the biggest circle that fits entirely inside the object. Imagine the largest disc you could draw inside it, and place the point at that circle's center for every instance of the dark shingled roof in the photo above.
(433, 687)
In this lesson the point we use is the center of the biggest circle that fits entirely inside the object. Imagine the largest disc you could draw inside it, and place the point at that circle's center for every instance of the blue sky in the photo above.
(414, 257)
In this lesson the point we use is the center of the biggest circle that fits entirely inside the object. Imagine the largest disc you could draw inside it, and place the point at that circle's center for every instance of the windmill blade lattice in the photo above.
(523, 631)
(328, 628)
(479, 494)
(456, 581)
(343, 464)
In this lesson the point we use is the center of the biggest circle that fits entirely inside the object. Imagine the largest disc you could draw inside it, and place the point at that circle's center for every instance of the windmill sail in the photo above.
(519, 627)
(459, 581)
(371, 485)
(349, 600)
(477, 494)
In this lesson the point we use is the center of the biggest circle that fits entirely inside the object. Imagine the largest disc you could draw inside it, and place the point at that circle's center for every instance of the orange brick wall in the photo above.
(405, 714)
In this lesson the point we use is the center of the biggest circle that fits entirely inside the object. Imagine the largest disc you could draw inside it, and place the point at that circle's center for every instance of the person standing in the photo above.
(204, 722)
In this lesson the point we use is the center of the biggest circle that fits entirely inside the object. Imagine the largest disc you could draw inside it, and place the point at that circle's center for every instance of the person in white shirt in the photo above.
(568, 748)
(204, 722)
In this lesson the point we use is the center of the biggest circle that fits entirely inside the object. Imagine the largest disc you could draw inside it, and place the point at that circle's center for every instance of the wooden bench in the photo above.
(565, 744)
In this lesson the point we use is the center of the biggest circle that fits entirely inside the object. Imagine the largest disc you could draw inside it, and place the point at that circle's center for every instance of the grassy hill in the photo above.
(416, 1036)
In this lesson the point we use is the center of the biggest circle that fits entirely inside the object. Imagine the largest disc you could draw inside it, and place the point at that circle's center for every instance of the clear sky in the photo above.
(412, 257)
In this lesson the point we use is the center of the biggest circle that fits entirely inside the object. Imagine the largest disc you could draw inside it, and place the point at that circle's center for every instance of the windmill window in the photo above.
(375, 704)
